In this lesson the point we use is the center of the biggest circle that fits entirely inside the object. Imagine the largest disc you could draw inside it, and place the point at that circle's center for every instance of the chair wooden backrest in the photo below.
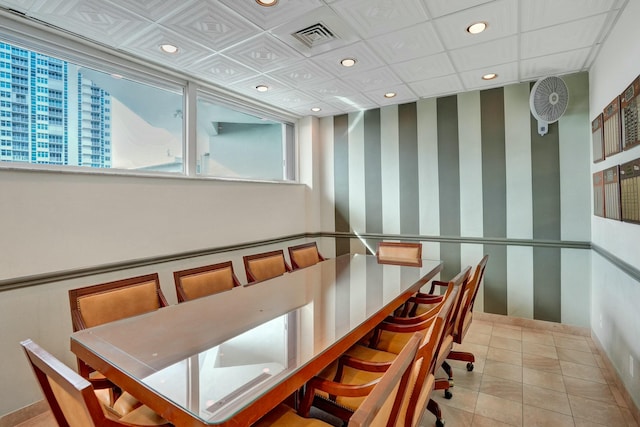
(202, 281)
(107, 302)
(304, 255)
(400, 252)
(265, 265)
(382, 405)
(421, 382)
(71, 398)
(468, 300)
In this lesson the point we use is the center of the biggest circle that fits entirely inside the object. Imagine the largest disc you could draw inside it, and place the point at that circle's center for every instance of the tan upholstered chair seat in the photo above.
(284, 416)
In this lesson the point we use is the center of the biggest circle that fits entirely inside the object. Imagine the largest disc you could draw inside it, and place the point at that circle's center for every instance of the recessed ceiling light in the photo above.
(262, 88)
(267, 3)
(390, 94)
(489, 76)
(477, 27)
(316, 109)
(168, 48)
(348, 62)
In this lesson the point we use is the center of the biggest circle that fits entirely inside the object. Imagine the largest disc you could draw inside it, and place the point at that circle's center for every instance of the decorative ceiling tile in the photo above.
(373, 17)
(330, 89)
(264, 53)
(270, 17)
(214, 27)
(424, 68)
(147, 45)
(220, 69)
(154, 10)
(248, 87)
(409, 43)
(301, 75)
(356, 102)
(293, 98)
(326, 109)
(93, 19)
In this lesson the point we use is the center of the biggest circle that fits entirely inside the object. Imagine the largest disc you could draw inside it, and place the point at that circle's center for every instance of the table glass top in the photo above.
(215, 355)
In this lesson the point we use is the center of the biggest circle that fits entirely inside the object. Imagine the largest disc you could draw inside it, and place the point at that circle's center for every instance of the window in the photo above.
(69, 113)
(239, 145)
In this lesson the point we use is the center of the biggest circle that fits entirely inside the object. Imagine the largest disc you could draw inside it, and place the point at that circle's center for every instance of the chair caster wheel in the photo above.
(469, 366)
(448, 394)
(439, 423)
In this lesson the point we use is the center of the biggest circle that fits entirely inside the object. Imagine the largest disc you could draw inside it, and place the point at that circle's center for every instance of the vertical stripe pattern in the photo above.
(470, 165)
(341, 180)
(545, 168)
(494, 202)
(408, 137)
(449, 183)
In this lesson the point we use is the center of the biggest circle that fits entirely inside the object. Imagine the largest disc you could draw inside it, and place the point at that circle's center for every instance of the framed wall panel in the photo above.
(612, 192)
(612, 134)
(630, 124)
(597, 139)
(598, 194)
(630, 191)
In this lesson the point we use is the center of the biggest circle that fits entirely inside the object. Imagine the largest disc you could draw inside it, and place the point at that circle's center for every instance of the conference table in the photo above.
(229, 358)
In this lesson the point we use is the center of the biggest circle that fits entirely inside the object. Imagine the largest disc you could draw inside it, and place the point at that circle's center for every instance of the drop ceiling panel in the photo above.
(507, 73)
(94, 19)
(561, 38)
(409, 43)
(439, 8)
(154, 10)
(263, 53)
(545, 13)
(366, 59)
(403, 93)
(372, 79)
(301, 75)
(437, 86)
(222, 70)
(326, 109)
(501, 16)
(551, 65)
(215, 27)
(270, 17)
(424, 68)
(373, 17)
(147, 45)
(418, 47)
(486, 54)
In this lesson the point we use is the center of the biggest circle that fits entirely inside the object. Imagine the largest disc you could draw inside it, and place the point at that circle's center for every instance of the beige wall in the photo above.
(55, 222)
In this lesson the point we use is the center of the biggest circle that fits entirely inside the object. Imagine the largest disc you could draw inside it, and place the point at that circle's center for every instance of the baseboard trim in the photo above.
(23, 414)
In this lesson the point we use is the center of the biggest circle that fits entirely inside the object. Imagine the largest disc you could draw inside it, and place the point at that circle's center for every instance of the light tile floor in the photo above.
(531, 377)
(521, 377)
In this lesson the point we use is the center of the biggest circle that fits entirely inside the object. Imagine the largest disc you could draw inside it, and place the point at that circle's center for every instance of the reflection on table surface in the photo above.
(214, 356)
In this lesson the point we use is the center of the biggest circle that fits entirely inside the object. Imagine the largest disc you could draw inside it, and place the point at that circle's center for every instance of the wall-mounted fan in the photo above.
(548, 101)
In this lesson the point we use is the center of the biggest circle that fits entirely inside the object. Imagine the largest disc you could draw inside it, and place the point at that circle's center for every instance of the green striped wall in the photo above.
(472, 166)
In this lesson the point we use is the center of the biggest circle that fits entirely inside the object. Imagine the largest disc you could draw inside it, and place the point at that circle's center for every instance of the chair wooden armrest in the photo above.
(434, 283)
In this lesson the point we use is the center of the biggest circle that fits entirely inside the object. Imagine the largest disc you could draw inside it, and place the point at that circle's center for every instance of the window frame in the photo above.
(32, 35)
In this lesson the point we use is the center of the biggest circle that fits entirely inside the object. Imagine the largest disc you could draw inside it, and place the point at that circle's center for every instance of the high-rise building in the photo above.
(94, 124)
(35, 100)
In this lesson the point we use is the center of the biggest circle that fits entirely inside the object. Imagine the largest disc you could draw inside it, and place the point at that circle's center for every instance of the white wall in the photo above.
(615, 295)
(53, 222)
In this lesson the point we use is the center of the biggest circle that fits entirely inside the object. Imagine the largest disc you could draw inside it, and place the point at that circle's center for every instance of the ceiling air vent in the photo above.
(315, 35)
